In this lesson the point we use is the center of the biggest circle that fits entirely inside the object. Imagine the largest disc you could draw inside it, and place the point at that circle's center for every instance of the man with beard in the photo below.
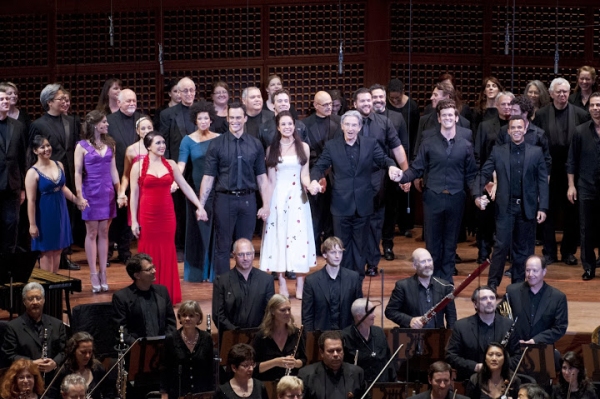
(472, 335)
(414, 296)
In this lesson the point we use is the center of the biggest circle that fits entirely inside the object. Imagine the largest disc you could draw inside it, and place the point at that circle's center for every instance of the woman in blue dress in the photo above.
(198, 262)
(49, 224)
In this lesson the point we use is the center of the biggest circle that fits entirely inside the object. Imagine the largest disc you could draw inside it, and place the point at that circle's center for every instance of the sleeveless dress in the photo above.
(51, 214)
(288, 242)
(199, 237)
(157, 223)
(97, 187)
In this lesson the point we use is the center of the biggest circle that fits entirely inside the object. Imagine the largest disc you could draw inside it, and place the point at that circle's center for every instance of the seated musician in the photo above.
(22, 381)
(35, 335)
(332, 378)
(440, 382)
(370, 342)
(414, 296)
(240, 361)
(572, 381)
(276, 342)
(290, 387)
(74, 386)
(494, 379)
(133, 304)
(471, 335)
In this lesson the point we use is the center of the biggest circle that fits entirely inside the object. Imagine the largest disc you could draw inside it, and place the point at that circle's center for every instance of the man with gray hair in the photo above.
(73, 386)
(255, 113)
(351, 159)
(34, 335)
(559, 120)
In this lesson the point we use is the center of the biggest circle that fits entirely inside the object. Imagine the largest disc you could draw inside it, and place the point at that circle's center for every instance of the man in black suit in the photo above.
(240, 296)
(472, 335)
(541, 308)
(13, 144)
(559, 120)
(521, 200)
(255, 113)
(133, 304)
(582, 173)
(34, 335)
(352, 160)
(440, 380)
(414, 296)
(328, 294)
(321, 126)
(268, 130)
(122, 128)
(332, 378)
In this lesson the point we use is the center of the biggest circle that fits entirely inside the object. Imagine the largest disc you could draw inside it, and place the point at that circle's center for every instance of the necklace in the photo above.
(188, 342)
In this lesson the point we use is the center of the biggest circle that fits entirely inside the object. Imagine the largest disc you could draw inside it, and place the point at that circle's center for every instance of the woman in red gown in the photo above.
(152, 212)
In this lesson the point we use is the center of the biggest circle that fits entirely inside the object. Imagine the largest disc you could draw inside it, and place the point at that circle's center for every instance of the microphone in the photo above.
(111, 31)
(556, 58)
(160, 58)
(506, 39)
(341, 58)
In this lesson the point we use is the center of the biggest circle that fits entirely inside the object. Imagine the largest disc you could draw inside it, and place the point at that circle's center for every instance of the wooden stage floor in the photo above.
(583, 296)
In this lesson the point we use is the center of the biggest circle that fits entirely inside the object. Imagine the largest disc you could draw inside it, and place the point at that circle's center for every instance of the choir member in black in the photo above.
(290, 387)
(440, 381)
(538, 94)
(584, 186)
(276, 341)
(573, 378)
(186, 364)
(340, 105)
(493, 378)
(109, 96)
(586, 85)
(19, 114)
(370, 343)
(22, 381)
(74, 387)
(240, 361)
(532, 391)
(220, 98)
(485, 106)
(172, 91)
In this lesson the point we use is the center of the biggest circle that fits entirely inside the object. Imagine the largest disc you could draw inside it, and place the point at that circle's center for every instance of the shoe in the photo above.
(371, 271)
(539, 243)
(570, 260)
(457, 259)
(508, 272)
(95, 280)
(290, 275)
(103, 283)
(69, 265)
(455, 272)
(588, 275)
(480, 260)
(275, 274)
(549, 259)
(408, 234)
(388, 254)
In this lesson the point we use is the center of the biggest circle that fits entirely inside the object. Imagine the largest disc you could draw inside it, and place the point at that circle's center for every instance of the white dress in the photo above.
(288, 243)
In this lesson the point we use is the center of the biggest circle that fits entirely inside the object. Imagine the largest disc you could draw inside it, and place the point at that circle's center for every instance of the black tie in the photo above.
(366, 131)
(238, 152)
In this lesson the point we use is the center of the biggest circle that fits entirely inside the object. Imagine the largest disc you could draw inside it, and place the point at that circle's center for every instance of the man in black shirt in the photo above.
(584, 164)
(237, 162)
(521, 199)
(440, 380)
(446, 161)
(255, 113)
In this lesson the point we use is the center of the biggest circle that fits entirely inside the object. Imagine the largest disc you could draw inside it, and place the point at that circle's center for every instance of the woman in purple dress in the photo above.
(97, 181)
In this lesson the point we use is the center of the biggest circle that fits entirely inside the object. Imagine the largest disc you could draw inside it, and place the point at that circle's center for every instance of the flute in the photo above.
(289, 371)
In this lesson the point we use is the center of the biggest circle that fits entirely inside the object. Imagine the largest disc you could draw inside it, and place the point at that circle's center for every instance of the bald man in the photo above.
(414, 296)
(175, 122)
(321, 126)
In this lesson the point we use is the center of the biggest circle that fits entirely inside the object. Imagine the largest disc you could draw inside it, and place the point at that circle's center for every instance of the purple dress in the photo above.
(97, 186)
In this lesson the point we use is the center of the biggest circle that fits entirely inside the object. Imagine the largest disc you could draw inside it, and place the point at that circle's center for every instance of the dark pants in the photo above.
(398, 210)
(589, 220)
(559, 204)
(9, 220)
(353, 231)
(120, 233)
(442, 214)
(512, 230)
(235, 216)
(485, 231)
(373, 253)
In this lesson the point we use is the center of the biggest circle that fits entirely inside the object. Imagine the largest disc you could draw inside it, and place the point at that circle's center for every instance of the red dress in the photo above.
(157, 227)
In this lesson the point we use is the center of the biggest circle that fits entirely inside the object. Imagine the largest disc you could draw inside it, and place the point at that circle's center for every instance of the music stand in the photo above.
(16, 268)
(538, 363)
(591, 361)
(397, 390)
(311, 346)
(144, 363)
(421, 348)
(232, 337)
(199, 395)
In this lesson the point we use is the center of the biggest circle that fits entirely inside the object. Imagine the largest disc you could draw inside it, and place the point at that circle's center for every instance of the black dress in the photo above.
(586, 393)
(267, 349)
(194, 370)
(107, 390)
(225, 391)
(474, 391)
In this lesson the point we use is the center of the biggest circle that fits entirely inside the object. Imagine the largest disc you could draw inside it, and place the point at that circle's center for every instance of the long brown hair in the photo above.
(103, 101)
(87, 129)
(274, 156)
(482, 102)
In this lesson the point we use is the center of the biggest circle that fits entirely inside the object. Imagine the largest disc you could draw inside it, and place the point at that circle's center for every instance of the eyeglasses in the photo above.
(244, 254)
(149, 269)
(326, 105)
(61, 99)
(188, 91)
(37, 298)
(248, 365)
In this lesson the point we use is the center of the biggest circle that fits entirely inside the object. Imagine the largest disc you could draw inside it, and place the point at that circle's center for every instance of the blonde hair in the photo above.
(269, 319)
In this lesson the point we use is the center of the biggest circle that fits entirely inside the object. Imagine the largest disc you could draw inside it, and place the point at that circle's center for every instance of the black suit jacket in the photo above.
(352, 192)
(449, 395)
(12, 156)
(22, 342)
(485, 139)
(534, 136)
(315, 379)
(118, 132)
(534, 184)
(128, 311)
(430, 121)
(228, 299)
(551, 319)
(172, 126)
(268, 130)
(463, 351)
(315, 299)
(63, 145)
(404, 303)
(316, 138)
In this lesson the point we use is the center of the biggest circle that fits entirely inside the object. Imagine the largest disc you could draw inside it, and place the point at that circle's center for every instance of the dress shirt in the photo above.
(584, 162)
(517, 158)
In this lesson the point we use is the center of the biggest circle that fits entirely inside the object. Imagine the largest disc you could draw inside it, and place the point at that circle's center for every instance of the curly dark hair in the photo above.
(202, 106)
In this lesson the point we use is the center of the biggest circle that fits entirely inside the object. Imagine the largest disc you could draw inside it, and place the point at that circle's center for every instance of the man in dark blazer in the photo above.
(521, 200)
(13, 145)
(256, 114)
(122, 128)
(321, 126)
(332, 378)
(472, 335)
(352, 160)
(328, 294)
(541, 309)
(134, 303)
(240, 296)
(440, 381)
(33, 333)
(414, 296)
(559, 119)
(268, 130)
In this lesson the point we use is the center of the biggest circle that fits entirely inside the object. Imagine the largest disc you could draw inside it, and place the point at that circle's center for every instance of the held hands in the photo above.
(314, 188)
(482, 202)
(262, 213)
(122, 201)
(491, 190)
(201, 214)
(174, 187)
(395, 174)
(405, 187)
(81, 203)
(416, 322)
(323, 183)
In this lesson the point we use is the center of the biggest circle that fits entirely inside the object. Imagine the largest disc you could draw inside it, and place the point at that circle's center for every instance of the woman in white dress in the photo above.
(288, 242)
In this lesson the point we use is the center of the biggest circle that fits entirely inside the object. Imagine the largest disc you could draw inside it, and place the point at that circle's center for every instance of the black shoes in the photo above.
(68, 265)
(588, 275)
(371, 271)
(388, 254)
(457, 259)
(508, 273)
(549, 259)
(290, 275)
(570, 260)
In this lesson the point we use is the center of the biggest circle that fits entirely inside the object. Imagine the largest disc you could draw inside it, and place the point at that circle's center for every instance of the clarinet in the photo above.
(122, 373)
(45, 348)
(504, 341)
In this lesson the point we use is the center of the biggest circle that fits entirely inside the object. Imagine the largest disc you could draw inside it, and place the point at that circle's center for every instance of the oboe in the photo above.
(45, 348)
(121, 371)
(509, 333)
(288, 371)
